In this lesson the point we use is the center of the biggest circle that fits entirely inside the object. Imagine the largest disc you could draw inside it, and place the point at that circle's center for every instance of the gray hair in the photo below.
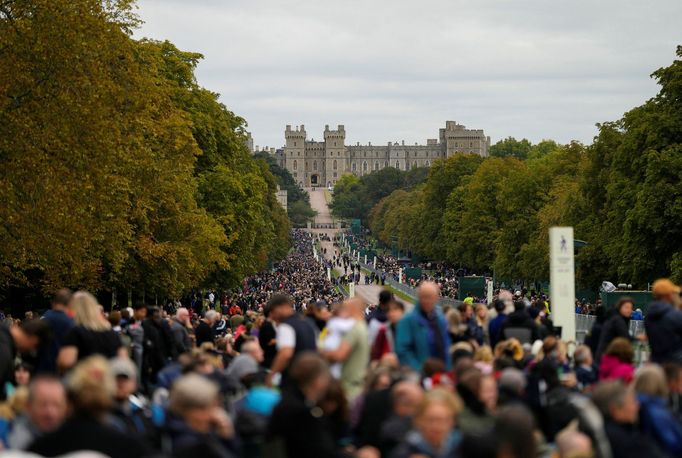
(192, 391)
(211, 315)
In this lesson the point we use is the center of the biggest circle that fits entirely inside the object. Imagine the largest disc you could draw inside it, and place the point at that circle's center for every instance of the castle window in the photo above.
(414, 164)
(295, 165)
(353, 167)
(299, 153)
(334, 165)
(295, 174)
(376, 165)
(294, 143)
(385, 163)
(397, 165)
(427, 163)
(364, 167)
(334, 174)
(334, 143)
(315, 166)
(471, 144)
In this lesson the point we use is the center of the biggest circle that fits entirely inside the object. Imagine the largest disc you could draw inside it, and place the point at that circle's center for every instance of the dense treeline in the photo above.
(298, 200)
(355, 196)
(623, 195)
(116, 168)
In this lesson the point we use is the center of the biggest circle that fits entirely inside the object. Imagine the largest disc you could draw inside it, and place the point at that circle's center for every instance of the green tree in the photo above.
(511, 147)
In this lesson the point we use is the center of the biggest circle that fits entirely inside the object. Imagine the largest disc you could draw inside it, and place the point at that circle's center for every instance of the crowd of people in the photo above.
(287, 367)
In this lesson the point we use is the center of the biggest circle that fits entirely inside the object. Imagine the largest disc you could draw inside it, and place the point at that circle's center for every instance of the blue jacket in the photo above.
(658, 422)
(412, 344)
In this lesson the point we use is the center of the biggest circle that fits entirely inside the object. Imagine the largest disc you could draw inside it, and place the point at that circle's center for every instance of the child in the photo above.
(337, 327)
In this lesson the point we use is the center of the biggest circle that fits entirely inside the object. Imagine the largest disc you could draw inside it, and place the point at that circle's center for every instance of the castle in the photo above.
(322, 163)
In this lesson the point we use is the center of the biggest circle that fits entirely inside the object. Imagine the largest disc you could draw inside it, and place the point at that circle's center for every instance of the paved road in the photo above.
(368, 293)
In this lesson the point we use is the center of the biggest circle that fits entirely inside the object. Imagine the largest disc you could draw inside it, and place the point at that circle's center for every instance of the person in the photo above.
(585, 370)
(384, 342)
(92, 334)
(673, 375)
(159, 345)
(434, 434)
(616, 363)
(573, 444)
(90, 389)
(520, 325)
(248, 362)
(295, 335)
(45, 411)
(378, 317)
(196, 424)
(318, 313)
(663, 323)
(353, 351)
(619, 406)
(655, 417)
(479, 394)
(19, 339)
(297, 425)
(205, 331)
(406, 396)
(180, 327)
(423, 332)
(340, 323)
(495, 325)
(60, 324)
(130, 413)
(617, 325)
(267, 337)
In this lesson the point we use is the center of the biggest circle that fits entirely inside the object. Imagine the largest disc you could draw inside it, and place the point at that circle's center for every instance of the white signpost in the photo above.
(374, 265)
(329, 274)
(490, 292)
(400, 276)
(351, 289)
(365, 259)
(562, 280)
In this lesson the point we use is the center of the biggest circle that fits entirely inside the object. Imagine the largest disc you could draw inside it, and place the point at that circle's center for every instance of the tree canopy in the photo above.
(117, 169)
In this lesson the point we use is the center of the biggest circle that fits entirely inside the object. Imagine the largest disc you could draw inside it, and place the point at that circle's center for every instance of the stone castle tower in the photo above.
(322, 163)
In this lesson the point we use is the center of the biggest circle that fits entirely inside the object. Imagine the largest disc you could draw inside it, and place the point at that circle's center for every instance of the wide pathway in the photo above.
(368, 293)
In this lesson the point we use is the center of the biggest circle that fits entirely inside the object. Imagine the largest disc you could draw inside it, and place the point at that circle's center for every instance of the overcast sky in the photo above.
(398, 69)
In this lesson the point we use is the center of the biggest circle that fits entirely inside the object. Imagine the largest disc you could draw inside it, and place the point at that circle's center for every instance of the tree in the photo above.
(511, 147)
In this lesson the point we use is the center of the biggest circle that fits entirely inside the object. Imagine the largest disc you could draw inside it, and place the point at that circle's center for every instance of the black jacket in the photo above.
(520, 320)
(663, 326)
(628, 442)
(615, 326)
(300, 429)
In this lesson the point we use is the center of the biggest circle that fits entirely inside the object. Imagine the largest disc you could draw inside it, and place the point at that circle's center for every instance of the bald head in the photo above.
(182, 315)
(428, 293)
(356, 308)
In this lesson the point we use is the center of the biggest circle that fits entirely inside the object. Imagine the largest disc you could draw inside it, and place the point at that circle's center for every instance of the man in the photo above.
(663, 323)
(180, 330)
(422, 333)
(136, 334)
(45, 411)
(520, 325)
(60, 323)
(205, 331)
(295, 335)
(495, 325)
(267, 337)
(23, 338)
(385, 340)
(378, 318)
(248, 361)
(353, 352)
(159, 343)
(620, 409)
(406, 397)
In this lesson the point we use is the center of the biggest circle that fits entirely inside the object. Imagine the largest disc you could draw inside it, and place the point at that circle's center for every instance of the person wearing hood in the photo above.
(423, 332)
(663, 323)
(616, 325)
(434, 434)
(378, 317)
(520, 325)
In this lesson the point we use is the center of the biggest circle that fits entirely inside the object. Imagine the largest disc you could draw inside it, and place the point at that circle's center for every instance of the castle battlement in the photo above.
(322, 163)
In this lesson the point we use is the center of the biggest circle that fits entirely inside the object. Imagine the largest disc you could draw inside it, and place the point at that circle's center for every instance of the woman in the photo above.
(655, 417)
(434, 434)
(90, 389)
(616, 363)
(482, 324)
(617, 325)
(92, 334)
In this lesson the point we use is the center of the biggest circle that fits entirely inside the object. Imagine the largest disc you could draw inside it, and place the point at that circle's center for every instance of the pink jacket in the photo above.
(611, 368)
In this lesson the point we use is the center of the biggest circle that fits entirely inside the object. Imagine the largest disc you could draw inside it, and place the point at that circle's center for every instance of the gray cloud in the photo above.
(393, 70)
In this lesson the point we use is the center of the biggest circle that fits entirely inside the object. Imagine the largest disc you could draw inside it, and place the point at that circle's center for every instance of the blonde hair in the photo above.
(441, 397)
(484, 354)
(91, 386)
(88, 312)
